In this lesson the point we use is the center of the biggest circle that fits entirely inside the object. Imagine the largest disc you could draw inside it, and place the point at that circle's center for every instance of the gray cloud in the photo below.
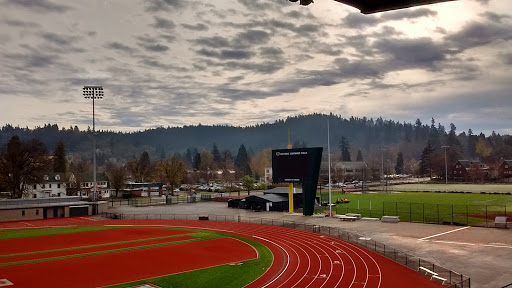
(41, 6)
(494, 17)
(226, 54)
(163, 5)
(408, 14)
(18, 23)
(154, 47)
(212, 42)
(252, 37)
(358, 20)
(58, 39)
(197, 27)
(161, 23)
(477, 34)
(422, 52)
(120, 47)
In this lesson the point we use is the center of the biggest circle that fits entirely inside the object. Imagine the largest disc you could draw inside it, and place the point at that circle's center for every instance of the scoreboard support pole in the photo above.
(290, 185)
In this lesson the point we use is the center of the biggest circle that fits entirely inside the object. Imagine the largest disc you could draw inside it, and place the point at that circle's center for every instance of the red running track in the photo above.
(301, 258)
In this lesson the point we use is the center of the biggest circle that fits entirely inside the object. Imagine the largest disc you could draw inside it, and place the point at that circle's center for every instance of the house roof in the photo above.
(54, 177)
(353, 165)
(374, 6)
(467, 163)
(269, 198)
(88, 177)
(283, 190)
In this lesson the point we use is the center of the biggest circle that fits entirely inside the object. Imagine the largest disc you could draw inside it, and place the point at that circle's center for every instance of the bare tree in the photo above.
(22, 163)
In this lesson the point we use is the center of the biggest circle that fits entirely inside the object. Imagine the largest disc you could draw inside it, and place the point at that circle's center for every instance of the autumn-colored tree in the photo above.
(171, 172)
(260, 162)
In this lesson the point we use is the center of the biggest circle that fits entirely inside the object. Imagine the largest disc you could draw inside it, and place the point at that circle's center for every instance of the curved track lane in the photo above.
(301, 258)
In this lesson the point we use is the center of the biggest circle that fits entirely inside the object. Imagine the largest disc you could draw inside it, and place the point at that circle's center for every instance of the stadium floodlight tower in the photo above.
(445, 164)
(93, 92)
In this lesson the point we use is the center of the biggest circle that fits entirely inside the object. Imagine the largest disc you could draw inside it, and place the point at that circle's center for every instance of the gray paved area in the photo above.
(484, 254)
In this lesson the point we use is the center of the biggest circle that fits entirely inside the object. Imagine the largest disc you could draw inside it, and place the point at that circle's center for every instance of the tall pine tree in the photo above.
(425, 163)
(345, 150)
(59, 158)
(399, 167)
(242, 162)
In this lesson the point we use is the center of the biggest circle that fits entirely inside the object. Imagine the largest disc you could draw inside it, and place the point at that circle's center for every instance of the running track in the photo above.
(301, 258)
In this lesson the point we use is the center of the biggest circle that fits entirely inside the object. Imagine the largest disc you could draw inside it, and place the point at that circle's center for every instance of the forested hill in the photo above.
(362, 134)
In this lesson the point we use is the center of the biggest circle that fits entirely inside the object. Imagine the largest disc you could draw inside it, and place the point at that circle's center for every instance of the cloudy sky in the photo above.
(242, 62)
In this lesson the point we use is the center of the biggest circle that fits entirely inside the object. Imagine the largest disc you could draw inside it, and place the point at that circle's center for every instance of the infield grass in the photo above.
(427, 207)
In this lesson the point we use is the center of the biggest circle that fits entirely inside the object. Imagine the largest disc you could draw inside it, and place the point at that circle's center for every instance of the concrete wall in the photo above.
(17, 214)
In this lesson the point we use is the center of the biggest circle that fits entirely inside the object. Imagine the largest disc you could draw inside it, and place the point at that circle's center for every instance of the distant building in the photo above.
(135, 189)
(349, 171)
(505, 171)
(268, 175)
(53, 185)
(468, 170)
(87, 184)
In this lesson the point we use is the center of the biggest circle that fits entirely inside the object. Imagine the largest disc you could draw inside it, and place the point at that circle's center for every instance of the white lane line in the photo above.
(452, 242)
(443, 233)
(497, 246)
(287, 262)
(28, 224)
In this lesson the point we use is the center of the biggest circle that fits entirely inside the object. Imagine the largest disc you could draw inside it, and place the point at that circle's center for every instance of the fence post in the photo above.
(423, 210)
(467, 215)
(438, 214)
(486, 216)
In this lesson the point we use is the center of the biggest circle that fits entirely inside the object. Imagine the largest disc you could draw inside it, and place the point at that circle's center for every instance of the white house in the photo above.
(87, 186)
(53, 185)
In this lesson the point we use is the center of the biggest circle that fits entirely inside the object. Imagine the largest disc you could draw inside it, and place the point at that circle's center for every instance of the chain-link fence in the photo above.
(138, 202)
(452, 278)
(452, 214)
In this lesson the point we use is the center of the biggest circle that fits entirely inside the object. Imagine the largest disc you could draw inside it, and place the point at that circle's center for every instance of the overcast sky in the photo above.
(178, 62)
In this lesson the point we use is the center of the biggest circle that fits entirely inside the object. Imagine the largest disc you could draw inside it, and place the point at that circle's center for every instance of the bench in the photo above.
(439, 278)
(358, 216)
(500, 221)
(390, 219)
(427, 271)
(345, 217)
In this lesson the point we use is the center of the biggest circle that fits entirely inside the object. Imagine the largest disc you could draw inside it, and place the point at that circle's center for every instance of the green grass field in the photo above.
(220, 276)
(441, 187)
(458, 208)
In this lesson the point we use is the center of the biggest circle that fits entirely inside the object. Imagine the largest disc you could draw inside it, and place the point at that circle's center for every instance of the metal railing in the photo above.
(455, 280)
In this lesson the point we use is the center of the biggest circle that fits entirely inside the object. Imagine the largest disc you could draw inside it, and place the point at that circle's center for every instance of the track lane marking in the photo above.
(451, 231)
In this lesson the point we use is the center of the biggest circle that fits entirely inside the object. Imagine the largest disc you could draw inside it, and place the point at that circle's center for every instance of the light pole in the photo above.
(382, 147)
(93, 92)
(445, 164)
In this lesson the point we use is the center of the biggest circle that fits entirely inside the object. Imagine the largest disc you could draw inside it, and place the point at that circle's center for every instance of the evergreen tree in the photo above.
(359, 157)
(242, 162)
(189, 158)
(399, 167)
(59, 158)
(216, 155)
(345, 149)
(197, 162)
(425, 163)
